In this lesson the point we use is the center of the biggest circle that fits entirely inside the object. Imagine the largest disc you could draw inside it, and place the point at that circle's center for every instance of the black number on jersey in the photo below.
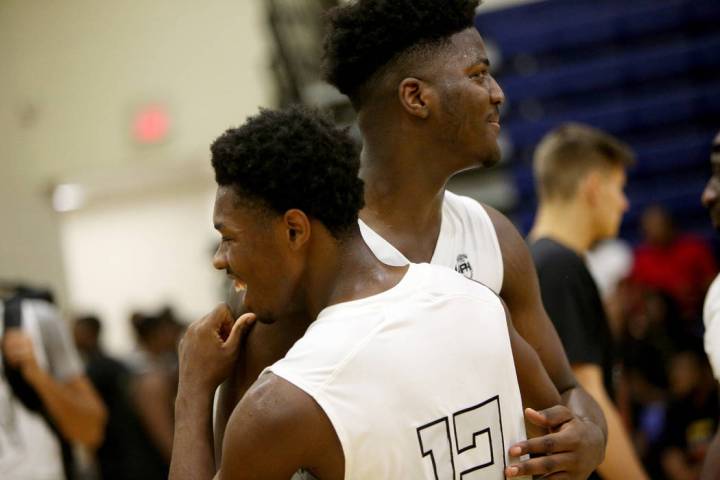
(477, 438)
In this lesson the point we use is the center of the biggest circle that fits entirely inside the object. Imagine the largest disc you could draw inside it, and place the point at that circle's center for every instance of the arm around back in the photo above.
(585, 430)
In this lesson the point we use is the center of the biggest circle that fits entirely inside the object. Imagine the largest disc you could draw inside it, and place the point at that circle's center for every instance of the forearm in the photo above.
(74, 407)
(582, 405)
(621, 461)
(192, 451)
(711, 467)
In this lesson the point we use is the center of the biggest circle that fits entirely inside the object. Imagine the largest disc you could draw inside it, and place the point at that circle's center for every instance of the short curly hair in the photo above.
(367, 35)
(293, 158)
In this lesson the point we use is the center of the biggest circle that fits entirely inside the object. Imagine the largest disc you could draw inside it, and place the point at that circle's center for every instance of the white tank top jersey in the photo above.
(418, 381)
(711, 318)
(467, 242)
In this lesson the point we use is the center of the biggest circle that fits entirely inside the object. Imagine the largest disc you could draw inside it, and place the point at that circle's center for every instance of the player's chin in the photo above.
(491, 156)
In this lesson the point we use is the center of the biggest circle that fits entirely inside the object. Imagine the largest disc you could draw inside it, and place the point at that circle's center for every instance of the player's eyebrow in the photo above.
(480, 58)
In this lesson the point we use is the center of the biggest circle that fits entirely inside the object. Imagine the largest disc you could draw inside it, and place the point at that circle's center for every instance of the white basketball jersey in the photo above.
(418, 381)
(467, 242)
(711, 318)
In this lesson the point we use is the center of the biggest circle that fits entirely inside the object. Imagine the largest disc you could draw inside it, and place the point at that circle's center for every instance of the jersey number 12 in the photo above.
(477, 436)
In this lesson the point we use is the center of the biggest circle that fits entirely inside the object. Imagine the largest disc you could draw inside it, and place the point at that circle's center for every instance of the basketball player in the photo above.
(711, 310)
(580, 175)
(417, 73)
(393, 358)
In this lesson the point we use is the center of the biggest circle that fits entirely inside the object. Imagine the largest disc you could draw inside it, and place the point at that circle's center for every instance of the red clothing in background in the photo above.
(683, 269)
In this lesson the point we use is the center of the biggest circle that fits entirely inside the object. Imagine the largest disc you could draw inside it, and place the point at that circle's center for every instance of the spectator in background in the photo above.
(680, 265)
(154, 371)
(580, 176)
(46, 401)
(126, 453)
(642, 394)
(692, 414)
(711, 311)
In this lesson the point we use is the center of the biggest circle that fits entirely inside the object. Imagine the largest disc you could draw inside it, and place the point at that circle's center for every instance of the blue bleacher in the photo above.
(674, 107)
(647, 71)
(554, 25)
(632, 67)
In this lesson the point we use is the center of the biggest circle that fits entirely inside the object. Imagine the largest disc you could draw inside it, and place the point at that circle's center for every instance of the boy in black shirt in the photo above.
(580, 176)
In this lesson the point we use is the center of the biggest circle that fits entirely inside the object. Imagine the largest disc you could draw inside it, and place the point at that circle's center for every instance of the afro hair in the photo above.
(366, 35)
(293, 158)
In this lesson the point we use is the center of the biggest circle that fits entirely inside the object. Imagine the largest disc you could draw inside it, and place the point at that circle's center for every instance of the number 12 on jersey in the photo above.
(479, 451)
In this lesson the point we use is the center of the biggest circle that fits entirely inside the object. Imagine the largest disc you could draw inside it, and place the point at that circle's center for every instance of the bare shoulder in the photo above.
(277, 429)
(517, 260)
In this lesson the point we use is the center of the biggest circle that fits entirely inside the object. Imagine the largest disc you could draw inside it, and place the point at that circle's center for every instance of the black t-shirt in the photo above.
(127, 452)
(572, 301)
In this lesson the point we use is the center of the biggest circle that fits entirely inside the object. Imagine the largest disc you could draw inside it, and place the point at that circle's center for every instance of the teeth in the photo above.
(239, 286)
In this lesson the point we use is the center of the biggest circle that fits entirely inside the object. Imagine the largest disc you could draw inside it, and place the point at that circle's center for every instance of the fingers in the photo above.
(219, 316)
(553, 466)
(241, 326)
(17, 347)
(547, 444)
(551, 418)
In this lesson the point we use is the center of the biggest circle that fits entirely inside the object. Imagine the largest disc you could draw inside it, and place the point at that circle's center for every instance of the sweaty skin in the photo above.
(430, 130)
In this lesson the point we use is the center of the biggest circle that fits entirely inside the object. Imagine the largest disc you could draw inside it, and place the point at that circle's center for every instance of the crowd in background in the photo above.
(139, 393)
(663, 384)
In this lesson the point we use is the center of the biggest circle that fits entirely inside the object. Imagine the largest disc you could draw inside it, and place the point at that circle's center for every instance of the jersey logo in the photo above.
(462, 265)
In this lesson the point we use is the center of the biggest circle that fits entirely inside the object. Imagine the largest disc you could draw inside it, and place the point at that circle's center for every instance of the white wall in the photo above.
(73, 73)
(142, 251)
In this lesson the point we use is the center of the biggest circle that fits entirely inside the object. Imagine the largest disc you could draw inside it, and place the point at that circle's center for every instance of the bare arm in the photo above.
(585, 432)
(192, 449)
(521, 293)
(536, 388)
(620, 462)
(263, 345)
(276, 430)
(74, 405)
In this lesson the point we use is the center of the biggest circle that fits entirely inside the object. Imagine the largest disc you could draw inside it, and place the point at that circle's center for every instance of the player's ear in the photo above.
(415, 97)
(297, 228)
(591, 186)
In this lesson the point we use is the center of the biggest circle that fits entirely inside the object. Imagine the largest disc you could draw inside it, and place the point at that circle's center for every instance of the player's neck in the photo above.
(566, 223)
(404, 183)
(347, 270)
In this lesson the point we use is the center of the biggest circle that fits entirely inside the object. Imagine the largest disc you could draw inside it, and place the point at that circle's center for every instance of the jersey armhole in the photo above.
(477, 211)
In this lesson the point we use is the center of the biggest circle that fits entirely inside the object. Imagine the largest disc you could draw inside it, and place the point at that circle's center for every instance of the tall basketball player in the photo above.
(403, 372)
(418, 75)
